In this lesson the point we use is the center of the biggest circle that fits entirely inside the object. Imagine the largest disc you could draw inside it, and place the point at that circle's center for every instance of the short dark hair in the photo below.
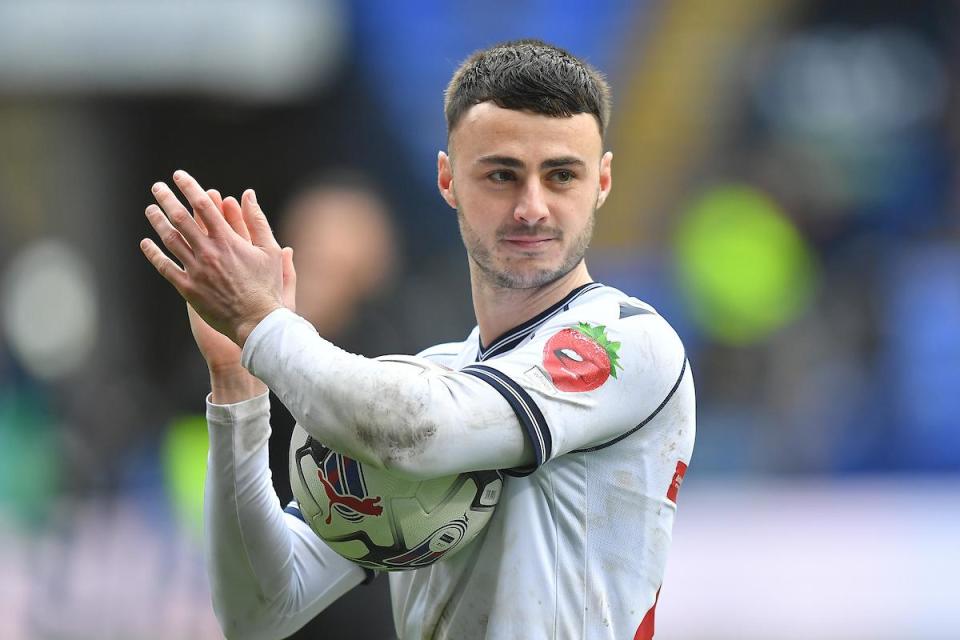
(528, 75)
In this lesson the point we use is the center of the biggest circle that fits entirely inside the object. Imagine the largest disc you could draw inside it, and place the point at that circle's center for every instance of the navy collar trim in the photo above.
(507, 341)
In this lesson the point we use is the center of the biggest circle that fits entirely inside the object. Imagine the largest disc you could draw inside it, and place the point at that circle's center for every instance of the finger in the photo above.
(164, 265)
(178, 215)
(234, 217)
(217, 201)
(171, 238)
(289, 280)
(202, 226)
(216, 197)
(201, 203)
(257, 225)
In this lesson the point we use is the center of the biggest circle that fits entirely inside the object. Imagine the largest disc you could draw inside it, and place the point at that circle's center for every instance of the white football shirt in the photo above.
(577, 546)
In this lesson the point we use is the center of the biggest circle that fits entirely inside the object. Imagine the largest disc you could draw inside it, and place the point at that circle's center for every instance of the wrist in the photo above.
(234, 384)
(246, 326)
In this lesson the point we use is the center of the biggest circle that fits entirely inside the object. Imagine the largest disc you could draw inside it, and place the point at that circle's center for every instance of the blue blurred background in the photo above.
(785, 193)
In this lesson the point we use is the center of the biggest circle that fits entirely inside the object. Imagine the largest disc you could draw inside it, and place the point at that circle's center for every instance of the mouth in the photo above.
(527, 243)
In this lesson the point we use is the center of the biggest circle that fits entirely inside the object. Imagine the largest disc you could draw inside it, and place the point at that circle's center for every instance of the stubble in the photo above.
(498, 272)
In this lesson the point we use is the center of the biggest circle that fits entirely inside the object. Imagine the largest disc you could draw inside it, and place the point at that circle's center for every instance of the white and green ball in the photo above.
(384, 521)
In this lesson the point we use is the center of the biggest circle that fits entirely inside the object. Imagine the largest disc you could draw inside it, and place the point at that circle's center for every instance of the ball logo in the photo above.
(446, 538)
(581, 358)
(342, 480)
(433, 547)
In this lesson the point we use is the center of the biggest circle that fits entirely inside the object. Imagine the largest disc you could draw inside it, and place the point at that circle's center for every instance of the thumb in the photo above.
(256, 221)
(289, 280)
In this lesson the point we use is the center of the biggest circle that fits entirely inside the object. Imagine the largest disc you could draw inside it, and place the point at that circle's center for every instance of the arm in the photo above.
(270, 574)
(504, 413)
(391, 415)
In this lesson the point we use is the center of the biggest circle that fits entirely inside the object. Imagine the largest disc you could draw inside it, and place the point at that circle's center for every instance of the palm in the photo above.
(218, 350)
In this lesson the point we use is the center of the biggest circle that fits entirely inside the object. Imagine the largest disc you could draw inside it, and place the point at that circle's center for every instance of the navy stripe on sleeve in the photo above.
(526, 409)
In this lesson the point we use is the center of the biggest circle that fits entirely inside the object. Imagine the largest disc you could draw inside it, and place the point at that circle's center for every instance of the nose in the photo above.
(532, 207)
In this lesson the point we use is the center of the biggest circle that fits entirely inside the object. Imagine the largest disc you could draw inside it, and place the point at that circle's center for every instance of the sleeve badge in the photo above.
(581, 358)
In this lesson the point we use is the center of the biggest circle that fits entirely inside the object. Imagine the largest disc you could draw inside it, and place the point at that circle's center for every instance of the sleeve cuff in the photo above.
(529, 414)
(237, 412)
(274, 319)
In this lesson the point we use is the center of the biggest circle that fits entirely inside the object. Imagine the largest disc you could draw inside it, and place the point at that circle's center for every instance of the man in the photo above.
(581, 393)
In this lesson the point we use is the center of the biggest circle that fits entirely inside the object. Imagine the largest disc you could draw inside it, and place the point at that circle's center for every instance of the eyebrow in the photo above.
(516, 163)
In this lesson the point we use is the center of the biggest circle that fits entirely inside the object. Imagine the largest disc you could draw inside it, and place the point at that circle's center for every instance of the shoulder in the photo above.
(632, 333)
(611, 308)
(447, 354)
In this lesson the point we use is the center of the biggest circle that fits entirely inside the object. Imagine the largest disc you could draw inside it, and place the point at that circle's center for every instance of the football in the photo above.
(382, 521)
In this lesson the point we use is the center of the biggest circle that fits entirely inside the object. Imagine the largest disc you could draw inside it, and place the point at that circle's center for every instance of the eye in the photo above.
(563, 176)
(501, 176)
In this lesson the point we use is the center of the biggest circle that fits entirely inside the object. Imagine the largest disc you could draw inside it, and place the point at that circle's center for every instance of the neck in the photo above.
(499, 310)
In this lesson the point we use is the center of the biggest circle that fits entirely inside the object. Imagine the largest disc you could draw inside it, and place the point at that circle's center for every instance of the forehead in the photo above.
(487, 129)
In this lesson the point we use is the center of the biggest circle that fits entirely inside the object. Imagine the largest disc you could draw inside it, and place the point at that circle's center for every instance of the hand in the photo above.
(219, 351)
(231, 279)
(229, 381)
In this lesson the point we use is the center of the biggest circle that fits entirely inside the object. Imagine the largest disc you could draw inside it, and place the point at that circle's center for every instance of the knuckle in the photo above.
(178, 216)
(170, 237)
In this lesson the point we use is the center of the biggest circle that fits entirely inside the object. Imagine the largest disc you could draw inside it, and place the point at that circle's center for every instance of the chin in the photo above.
(528, 279)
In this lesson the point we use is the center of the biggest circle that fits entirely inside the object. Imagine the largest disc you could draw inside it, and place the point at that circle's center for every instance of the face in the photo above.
(525, 187)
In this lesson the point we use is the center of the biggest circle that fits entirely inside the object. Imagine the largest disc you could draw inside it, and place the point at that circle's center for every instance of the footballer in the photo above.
(579, 392)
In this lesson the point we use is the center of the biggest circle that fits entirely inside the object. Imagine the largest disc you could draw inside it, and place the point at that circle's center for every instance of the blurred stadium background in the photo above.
(786, 194)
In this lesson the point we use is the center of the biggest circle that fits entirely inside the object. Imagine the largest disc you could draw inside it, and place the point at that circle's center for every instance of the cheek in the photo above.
(484, 208)
(576, 211)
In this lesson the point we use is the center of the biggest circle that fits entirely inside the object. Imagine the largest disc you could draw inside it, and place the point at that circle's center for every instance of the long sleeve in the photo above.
(507, 412)
(269, 573)
(391, 415)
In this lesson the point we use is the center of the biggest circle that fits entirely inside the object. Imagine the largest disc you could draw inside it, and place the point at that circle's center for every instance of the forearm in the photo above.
(229, 385)
(269, 573)
(384, 414)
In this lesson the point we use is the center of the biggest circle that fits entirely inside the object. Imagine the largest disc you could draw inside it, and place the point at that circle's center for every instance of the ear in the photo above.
(445, 179)
(606, 178)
